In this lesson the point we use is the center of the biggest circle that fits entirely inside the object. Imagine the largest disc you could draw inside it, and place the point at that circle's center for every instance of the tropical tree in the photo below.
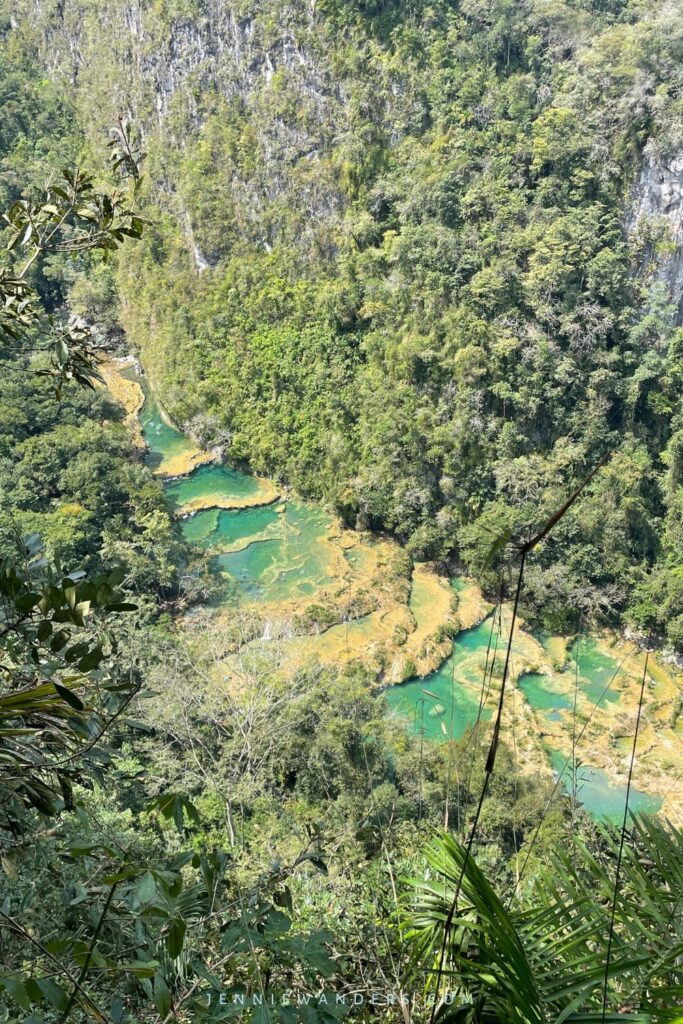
(71, 217)
(566, 949)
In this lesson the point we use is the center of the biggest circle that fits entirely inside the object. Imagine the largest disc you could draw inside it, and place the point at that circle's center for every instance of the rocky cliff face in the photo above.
(173, 72)
(212, 48)
(657, 204)
(169, 66)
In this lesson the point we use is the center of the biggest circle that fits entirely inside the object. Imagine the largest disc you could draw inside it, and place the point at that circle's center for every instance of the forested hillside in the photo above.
(416, 259)
(68, 471)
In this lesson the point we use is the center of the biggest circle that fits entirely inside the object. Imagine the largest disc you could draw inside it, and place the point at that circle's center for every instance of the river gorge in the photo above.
(314, 589)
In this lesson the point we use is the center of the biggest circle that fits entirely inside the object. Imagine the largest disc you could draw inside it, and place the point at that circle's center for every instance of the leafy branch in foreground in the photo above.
(174, 934)
(545, 964)
(71, 217)
(59, 689)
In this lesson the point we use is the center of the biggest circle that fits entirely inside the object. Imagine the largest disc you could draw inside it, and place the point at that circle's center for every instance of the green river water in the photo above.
(265, 554)
(272, 553)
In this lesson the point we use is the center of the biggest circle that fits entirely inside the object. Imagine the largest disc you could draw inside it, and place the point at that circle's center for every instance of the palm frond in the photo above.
(546, 962)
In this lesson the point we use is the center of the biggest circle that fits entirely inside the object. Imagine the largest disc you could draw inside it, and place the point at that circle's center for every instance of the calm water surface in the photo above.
(268, 555)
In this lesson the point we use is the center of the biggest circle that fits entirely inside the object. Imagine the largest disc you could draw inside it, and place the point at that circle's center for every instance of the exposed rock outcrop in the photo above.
(657, 202)
(170, 73)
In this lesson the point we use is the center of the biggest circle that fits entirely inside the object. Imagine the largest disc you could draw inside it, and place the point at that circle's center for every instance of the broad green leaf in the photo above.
(16, 988)
(91, 660)
(53, 993)
(162, 995)
(69, 696)
(175, 937)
